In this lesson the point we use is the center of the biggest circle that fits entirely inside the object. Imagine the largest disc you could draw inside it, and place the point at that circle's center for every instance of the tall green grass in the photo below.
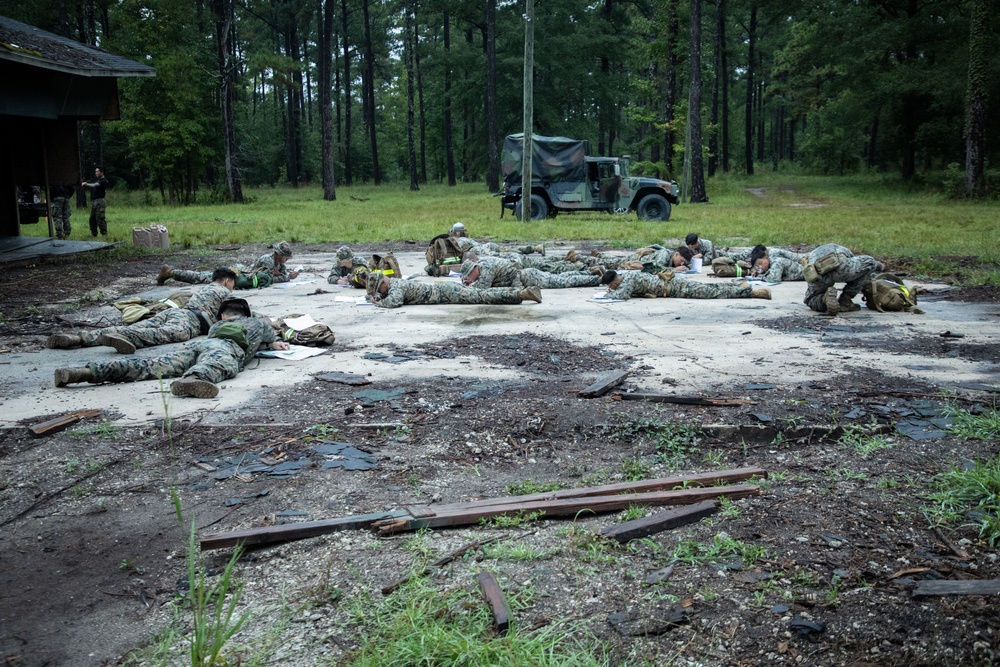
(868, 214)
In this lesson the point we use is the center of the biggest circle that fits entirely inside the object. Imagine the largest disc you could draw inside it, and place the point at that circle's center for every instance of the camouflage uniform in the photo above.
(546, 265)
(639, 283)
(854, 272)
(279, 272)
(466, 244)
(708, 251)
(787, 254)
(499, 272)
(174, 325)
(61, 210)
(210, 359)
(411, 293)
(737, 254)
(337, 271)
(783, 269)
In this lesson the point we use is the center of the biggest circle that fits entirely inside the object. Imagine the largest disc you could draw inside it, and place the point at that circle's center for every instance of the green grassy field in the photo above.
(866, 213)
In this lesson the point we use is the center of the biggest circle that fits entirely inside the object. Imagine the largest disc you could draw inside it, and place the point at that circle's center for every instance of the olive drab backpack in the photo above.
(385, 264)
(233, 331)
(443, 256)
(886, 292)
(318, 335)
(255, 280)
(727, 267)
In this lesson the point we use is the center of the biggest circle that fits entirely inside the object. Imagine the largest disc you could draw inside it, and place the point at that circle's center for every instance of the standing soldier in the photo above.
(626, 284)
(98, 189)
(61, 209)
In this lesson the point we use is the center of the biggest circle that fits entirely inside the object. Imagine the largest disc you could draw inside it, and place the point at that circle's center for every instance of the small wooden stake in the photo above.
(650, 525)
(498, 603)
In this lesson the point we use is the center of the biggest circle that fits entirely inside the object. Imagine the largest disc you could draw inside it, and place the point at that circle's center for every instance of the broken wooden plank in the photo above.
(950, 587)
(650, 525)
(656, 484)
(443, 560)
(499, 607)
(293, 531)
(603, 385)
(684, 400)
(461, 516)
(59, 423)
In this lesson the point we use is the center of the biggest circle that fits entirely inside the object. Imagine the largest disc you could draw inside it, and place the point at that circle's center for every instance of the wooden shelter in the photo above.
(47, 84)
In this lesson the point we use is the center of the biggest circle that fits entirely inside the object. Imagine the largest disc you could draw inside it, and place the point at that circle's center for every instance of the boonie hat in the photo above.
(344, 253)
(283, 249)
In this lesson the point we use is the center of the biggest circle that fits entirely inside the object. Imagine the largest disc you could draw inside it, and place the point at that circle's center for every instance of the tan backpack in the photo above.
(318, 335)
(727, 267)
(386, 264)
(886, 292)
(443, 256)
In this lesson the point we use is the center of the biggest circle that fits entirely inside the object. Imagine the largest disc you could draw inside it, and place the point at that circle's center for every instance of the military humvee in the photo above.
(565, 178)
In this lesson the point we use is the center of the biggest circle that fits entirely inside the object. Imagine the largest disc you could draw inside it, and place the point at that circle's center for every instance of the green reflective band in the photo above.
(452, 260)
(255, 280)
(739, 271)
(288, 334)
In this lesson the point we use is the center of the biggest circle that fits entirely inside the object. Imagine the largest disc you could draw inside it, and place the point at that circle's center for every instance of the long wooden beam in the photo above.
(650, 525)
(293, 531)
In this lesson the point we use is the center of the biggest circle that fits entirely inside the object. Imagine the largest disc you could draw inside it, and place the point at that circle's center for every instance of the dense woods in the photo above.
(253, 92)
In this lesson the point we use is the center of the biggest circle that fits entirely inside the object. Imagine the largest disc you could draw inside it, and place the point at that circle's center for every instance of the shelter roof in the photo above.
(22, 43)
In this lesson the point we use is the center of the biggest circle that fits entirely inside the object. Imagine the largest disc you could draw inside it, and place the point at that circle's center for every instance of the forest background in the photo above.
(342, 92)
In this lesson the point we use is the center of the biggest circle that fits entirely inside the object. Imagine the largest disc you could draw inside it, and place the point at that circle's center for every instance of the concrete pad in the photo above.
(707, 347)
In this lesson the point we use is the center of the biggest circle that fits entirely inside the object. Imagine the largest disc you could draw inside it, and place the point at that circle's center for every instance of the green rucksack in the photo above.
(230, 330)
(886, 292)
(255, 280)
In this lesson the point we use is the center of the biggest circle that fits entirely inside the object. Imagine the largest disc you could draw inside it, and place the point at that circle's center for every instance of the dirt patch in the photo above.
(93, 553)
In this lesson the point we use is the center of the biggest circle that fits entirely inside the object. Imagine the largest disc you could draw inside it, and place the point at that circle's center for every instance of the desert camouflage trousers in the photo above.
(61, 212)
(681, 288)
(538, 278)
(175, 325)
(210, 359)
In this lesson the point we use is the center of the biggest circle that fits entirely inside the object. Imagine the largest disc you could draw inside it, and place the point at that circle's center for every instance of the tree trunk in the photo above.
(449, 150)
(698, 193)
(370, 93)
(751, 61)
(324, 25)
(420, 102)
(223, 10)
(724, 111)
(492, 131)
(408, 56)
(673, 30)
(348, 102)
(975, 100)
(713, 140)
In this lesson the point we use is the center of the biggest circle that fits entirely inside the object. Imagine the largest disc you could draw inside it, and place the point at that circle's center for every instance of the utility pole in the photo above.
(529, 66)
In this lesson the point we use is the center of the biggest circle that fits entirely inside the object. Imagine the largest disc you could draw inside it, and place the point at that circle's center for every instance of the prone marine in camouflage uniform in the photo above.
(498, 272)
(626, 284)
(773, 269)
(272, 263)
(830, 264)
(466, 244)
(701, 247)
(201, 364)
(387, 292)
(173, 325)
(347, 262)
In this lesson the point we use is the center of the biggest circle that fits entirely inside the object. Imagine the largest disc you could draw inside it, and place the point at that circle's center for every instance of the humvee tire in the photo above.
(653, 207)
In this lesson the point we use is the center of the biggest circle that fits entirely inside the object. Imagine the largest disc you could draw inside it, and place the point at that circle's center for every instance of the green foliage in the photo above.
(692, 551)
(214, 618)
(512, 520)
(672, 440)
(636, 469)
(966, 489)
(529, 486)
(981, 426)
(421, 625)
(863, 444)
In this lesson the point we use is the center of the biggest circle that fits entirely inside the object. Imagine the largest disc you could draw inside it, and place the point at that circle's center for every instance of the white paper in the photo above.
(356, 300)
(300, 323)
(291, 283)
(294, 353)
(602, 297)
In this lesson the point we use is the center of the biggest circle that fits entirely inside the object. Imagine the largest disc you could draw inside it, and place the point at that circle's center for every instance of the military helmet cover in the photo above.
(284, 249)
(373, 281)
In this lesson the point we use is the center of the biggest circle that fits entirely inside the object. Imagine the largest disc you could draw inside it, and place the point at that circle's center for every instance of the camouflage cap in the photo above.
(344, 253)
(283, 249)
(373, 281)
(468, 266)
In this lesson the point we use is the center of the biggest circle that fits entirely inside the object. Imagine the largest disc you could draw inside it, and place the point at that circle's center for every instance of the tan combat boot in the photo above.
(531, 294)
(847, 305)
(831, 302)
(540, 249)
(121, 345)
(63, 341)
(65, 376)
(194, 387)
(165, 274)
(760, 293)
